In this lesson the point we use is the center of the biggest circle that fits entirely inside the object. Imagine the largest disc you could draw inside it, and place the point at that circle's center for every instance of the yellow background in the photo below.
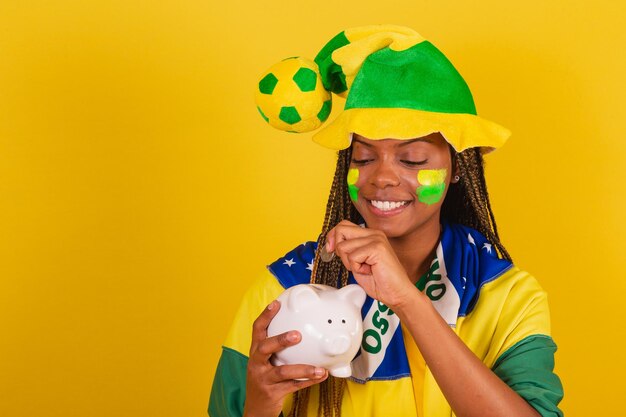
(140, 191)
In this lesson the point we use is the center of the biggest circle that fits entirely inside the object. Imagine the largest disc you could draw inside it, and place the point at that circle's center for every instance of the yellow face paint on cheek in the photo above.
(353, 177)
(432, 185)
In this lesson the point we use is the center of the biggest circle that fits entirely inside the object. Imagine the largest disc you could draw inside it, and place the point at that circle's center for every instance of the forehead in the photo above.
(435, 139)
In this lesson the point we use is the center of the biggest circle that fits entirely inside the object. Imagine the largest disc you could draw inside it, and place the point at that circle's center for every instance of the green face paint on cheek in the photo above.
(432, 185)
(353, 177)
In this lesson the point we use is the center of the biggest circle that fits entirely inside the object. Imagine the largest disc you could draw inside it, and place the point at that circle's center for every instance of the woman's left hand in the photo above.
(369, 256)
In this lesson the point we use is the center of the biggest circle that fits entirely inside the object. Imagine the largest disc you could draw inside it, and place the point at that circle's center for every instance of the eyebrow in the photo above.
(408, 142)
(404, 142)
(361, 142)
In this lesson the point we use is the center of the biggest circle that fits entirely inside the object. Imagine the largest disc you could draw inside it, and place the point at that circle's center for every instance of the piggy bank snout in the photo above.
(337, 345)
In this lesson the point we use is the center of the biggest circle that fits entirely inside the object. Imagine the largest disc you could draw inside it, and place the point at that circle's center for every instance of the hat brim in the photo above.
(461, 130)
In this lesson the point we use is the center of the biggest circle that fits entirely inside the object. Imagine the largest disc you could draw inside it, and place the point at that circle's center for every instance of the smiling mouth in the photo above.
(386, 206)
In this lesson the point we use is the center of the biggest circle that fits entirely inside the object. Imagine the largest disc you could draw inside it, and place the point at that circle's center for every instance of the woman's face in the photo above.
(398, 186)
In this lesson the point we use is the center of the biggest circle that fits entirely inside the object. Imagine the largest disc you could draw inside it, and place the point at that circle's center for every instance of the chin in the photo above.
(395, 228)
(390, 228)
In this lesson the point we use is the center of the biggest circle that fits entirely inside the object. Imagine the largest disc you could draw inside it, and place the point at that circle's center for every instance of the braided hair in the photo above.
(467, 203)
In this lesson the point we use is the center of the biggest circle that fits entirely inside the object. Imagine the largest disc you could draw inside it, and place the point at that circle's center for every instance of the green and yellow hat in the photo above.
(396, 84)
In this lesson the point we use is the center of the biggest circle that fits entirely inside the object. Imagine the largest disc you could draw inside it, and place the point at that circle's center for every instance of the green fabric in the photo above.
(268, 83)
(325, 110)
(333, 77)
(228, 394)
(527, 367)
(262, 114)
(435, 290)
(419, 78)
(289, 114)
(305, 79)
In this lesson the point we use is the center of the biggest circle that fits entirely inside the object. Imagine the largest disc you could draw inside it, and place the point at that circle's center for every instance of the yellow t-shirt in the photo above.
(417, 364)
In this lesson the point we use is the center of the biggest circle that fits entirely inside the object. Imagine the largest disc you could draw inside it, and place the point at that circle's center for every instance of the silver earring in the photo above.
(456, 178)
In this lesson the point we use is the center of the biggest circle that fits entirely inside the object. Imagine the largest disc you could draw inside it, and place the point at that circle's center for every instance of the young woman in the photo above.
(452, 327)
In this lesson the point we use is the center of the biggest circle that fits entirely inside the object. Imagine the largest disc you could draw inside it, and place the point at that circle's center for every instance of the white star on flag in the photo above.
(487, 246)
(309, 266)
(470, 239)
(289, 262)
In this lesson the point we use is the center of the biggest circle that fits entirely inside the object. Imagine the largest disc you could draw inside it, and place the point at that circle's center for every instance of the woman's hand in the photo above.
(268, 385)
(374, 264)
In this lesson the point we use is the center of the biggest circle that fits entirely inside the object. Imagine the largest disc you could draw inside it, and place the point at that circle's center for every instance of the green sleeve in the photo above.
(527, 367)
(228, 394)
(229, 386)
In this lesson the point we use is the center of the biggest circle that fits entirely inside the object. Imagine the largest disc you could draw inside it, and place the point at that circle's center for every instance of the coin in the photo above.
(325, 255)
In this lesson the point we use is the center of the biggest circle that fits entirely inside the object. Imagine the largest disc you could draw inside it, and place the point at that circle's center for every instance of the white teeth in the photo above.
(387, 205)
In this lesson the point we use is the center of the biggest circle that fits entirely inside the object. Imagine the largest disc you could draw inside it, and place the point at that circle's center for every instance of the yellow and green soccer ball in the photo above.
(291, 97)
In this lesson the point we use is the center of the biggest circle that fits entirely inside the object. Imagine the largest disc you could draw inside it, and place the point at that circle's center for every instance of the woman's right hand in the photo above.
(268, 385)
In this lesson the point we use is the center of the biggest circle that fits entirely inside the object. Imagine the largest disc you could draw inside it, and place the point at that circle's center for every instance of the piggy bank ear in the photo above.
(301, 297)
(352, 293)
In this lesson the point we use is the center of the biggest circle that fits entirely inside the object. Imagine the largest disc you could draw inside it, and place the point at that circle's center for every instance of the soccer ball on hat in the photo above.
(290, 96)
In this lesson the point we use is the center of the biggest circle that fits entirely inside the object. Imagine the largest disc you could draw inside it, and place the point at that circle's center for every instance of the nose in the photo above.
(338, 345)
(385, 175)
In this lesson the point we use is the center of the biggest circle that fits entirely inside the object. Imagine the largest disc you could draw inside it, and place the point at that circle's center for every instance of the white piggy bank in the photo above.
(329, 320)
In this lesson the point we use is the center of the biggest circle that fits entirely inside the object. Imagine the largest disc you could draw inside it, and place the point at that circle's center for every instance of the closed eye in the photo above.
(360, 161)
(414, 163)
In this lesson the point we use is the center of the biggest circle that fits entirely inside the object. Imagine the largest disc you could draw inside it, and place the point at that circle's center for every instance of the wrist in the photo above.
(255, 411)
(411, 297)
(253, 414)
(248, 413)
(419, 310)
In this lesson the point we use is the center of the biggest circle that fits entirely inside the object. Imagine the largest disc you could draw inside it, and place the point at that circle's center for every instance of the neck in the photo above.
(417, 249)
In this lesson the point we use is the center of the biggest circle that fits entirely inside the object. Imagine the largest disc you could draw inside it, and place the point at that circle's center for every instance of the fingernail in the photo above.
(292, 337)
(271, 305)
(319, 372)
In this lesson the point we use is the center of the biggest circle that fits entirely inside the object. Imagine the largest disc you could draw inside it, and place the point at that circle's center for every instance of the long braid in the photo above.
(300, 402)
(467, 203)
(333, 273)
(338, 208)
